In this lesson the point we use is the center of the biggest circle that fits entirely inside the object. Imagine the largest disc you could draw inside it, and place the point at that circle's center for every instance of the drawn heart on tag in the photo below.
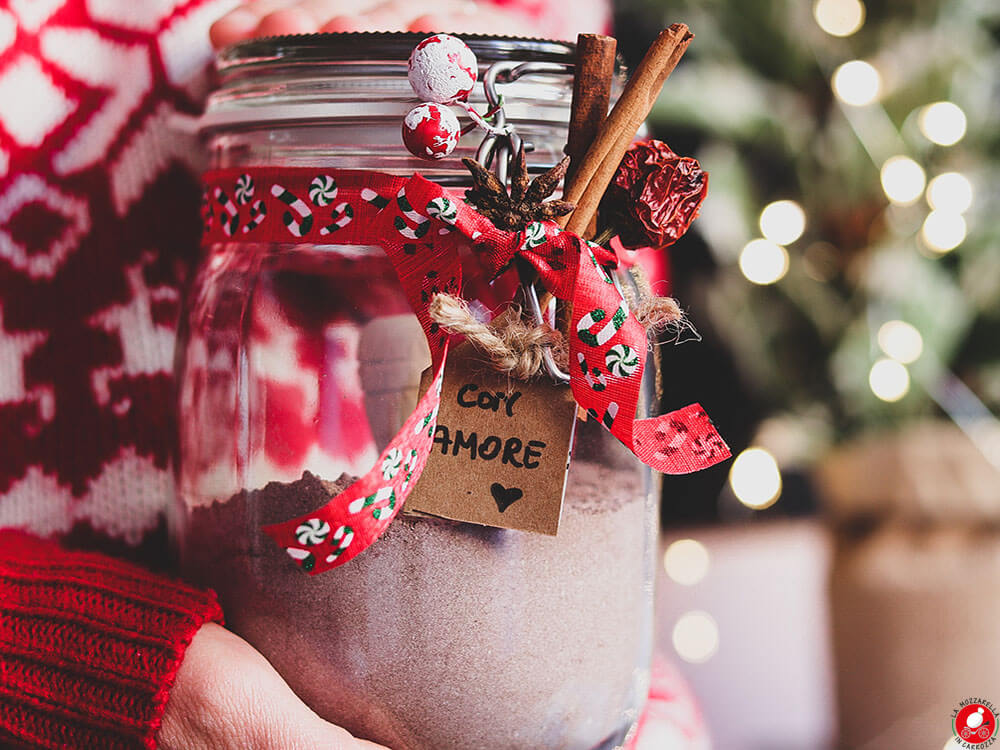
(503, 496)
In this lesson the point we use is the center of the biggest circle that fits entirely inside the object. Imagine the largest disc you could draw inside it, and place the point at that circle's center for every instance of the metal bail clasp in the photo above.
(501, 146)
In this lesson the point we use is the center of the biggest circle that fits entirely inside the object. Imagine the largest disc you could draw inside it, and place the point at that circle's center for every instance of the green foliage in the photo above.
(754, 97)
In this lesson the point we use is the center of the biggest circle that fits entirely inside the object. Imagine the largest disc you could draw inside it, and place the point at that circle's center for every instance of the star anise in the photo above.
(524, 204)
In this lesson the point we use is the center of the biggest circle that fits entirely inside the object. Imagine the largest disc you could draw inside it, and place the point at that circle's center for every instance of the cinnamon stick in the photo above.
(605, 154)
(595, 69)
(592, 77)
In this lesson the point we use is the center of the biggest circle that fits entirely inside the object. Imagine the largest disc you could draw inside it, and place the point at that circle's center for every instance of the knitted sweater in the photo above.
(89, 646)
(98, 225)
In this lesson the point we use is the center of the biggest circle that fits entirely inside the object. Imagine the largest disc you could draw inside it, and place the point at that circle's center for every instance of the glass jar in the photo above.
(297, 365)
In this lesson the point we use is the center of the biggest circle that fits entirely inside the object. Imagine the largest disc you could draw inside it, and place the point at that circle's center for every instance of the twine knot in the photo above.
(510, 344)
(517, 348)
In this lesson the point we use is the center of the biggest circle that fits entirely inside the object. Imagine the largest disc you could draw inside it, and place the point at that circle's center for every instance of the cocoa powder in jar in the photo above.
(449, 635)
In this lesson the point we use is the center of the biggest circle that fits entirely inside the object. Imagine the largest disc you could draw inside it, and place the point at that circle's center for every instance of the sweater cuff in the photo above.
(89, 645)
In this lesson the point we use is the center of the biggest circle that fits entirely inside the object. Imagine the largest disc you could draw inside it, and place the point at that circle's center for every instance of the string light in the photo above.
(889, 380)
(943, 231)
(901, 341)
(903, 180)
(782, 222)
(857, 83)
(942, 123)
(696, 637)
(950, 191)
(686, 561)
(755, 478)
(763, 262)
(839, 17)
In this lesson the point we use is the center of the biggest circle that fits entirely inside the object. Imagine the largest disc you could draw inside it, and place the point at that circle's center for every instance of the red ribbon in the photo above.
(421, 226)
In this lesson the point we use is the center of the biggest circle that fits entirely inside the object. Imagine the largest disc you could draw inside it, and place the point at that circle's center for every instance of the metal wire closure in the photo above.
(501, 146)
(550, 364)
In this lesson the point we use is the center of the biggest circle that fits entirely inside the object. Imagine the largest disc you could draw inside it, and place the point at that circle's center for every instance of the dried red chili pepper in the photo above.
(654, 196)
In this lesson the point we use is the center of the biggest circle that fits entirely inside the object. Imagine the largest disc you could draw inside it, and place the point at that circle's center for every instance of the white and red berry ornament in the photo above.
(442, 69)
(431, 131)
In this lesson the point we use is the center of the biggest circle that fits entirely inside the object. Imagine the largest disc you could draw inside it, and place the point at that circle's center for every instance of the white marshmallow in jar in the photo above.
(297, 365)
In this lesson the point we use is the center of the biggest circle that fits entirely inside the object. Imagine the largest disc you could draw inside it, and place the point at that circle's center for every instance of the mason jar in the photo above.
(298, 363)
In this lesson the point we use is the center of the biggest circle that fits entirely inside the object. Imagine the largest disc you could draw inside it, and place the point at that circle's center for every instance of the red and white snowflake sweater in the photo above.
(98, 226)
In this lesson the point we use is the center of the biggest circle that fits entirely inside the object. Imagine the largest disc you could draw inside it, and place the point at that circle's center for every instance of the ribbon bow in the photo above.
(421, 226)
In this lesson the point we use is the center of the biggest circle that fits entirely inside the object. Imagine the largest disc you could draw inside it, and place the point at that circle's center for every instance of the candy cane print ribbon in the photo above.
(675, 443)
(421, 226)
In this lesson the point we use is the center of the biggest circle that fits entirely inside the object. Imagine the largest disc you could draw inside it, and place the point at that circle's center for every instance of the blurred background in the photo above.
(834, 585)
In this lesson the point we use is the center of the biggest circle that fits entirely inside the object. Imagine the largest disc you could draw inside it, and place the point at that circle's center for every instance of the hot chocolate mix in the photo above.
(449, 635)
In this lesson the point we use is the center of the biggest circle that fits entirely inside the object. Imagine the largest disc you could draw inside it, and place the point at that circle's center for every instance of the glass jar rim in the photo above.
(375, 46)
(301, 78)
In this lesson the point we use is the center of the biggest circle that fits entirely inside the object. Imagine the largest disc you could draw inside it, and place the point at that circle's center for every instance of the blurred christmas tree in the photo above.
(847, 261)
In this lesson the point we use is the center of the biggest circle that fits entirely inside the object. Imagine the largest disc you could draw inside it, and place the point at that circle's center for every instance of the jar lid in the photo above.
(350, 76)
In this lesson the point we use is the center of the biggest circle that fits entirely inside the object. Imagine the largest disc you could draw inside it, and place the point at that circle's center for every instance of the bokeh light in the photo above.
(763, 262)
(889, 380)
(903, 180)
(755, 478)
(901, 341)
(943, 123)
(839, 17)
(857, 83)
(943, 231)
(696, 637)
(686, 561)
(950, 191)
(782, 222)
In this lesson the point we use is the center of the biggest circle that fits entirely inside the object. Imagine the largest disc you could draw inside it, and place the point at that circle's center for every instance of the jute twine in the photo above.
(516, 347)
(511, 345)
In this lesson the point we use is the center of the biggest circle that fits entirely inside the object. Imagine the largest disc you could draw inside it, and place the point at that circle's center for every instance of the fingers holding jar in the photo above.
(226, 696)
(259, 18)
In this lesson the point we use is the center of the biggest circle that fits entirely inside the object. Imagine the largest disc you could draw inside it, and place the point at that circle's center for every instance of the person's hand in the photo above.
(228, 697)
(532, 18)
(274, 17)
